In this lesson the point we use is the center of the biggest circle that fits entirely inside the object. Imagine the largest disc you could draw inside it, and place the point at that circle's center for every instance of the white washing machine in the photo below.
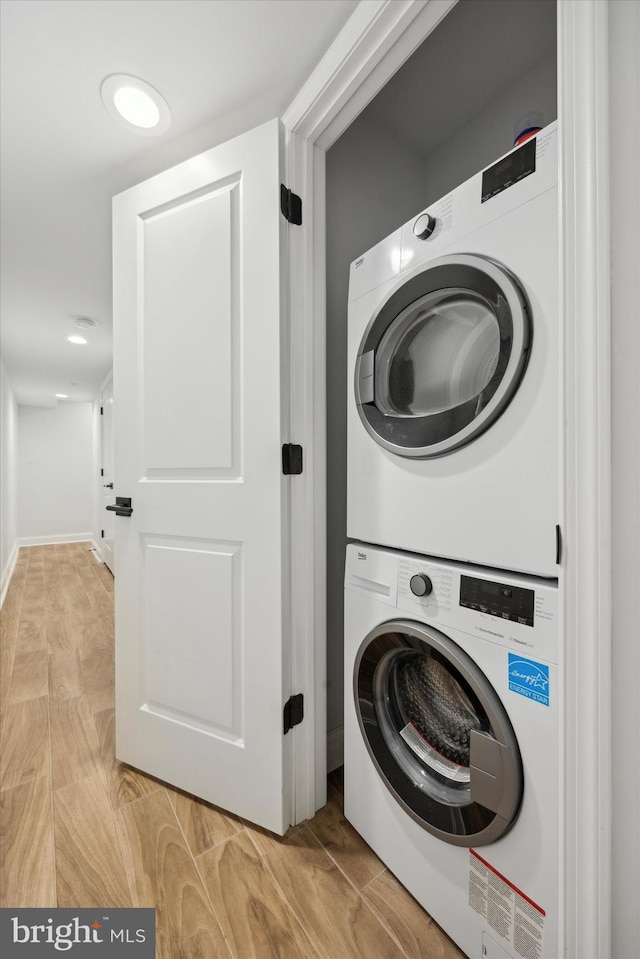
(453, 408)
(452, 732)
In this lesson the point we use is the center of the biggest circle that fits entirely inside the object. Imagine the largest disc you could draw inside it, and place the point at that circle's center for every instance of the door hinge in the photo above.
(290, 205)
(291, 459)
(293, 712)
(558, 545)
(102, 534)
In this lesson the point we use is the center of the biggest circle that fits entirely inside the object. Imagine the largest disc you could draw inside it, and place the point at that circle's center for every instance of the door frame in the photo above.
(101, 493)
(376, 40)
(98, 490)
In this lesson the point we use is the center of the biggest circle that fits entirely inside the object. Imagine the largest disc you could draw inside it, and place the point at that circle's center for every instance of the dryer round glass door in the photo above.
(437, 733)
(443, 356)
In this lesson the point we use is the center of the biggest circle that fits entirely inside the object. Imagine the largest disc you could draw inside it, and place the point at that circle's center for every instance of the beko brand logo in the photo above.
(42, 932)
(359, 262)
(362, 555)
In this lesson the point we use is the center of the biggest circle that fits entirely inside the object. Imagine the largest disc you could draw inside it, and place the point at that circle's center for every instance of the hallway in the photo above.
(80, 829)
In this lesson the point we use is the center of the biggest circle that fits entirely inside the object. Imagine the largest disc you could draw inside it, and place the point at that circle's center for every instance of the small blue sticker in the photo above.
(528, 678)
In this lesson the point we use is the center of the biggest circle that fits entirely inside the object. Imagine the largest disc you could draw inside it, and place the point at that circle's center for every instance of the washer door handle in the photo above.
(488, 759)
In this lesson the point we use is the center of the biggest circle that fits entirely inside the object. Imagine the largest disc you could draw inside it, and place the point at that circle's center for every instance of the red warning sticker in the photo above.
(507, 910)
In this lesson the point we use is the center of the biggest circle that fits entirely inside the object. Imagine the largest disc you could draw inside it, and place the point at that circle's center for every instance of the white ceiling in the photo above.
(222, 65)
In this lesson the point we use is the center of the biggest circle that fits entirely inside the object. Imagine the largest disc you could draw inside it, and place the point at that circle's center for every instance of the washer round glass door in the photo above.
(443, 356)
(437, 733)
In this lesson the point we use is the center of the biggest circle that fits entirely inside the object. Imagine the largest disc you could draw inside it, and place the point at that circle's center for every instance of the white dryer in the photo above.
(453, 408)
(452, 742)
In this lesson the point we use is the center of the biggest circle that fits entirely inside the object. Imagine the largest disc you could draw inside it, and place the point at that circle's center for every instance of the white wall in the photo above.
(55, 472)
(374, 184)
(624, 95)
(8, 480)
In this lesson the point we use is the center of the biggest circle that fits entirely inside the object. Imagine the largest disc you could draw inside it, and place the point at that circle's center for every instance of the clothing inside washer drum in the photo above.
(434, 702)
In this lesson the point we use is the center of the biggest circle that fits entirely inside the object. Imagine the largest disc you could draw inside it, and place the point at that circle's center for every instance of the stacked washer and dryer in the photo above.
(453, 662)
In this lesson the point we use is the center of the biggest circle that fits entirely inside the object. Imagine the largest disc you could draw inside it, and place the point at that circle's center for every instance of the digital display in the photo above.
(509, 170)
(513, 603)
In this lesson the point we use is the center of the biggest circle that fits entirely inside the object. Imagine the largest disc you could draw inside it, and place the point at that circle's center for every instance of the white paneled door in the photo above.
(202, 643)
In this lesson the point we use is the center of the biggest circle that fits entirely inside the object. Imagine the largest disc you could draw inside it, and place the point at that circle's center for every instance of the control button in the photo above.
(424, 226)
(506, 591)
(420, 584)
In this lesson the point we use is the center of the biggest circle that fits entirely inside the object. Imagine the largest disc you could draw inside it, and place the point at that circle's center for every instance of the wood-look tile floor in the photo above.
(80, 829)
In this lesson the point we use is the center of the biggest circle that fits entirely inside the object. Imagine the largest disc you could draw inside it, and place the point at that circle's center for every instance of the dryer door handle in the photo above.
(491, 784)
(365, 389)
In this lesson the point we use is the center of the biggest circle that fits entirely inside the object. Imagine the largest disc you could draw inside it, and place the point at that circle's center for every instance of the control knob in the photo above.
(420, 584)
(424, 226)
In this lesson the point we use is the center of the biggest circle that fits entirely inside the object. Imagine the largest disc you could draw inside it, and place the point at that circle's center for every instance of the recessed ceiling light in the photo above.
(62, 396)
(78, 340)
(136, 104)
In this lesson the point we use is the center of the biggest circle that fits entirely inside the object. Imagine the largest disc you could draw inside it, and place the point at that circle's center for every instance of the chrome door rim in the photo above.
(407, 794)
(410, 289)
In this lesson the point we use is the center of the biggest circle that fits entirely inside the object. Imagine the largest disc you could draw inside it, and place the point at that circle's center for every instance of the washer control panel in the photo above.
(519, 612)
(503, 600)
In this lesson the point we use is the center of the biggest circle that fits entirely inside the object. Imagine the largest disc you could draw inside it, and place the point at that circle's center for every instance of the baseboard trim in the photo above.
(335, 748)
(7, 572)
(55, 538)
(97, 552)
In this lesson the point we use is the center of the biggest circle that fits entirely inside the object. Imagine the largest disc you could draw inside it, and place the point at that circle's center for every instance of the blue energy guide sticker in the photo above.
(529, 678)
